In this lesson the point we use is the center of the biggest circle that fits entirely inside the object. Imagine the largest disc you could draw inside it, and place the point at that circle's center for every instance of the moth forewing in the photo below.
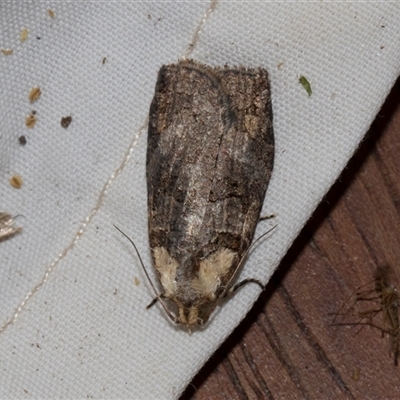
(229, 287)
(209, 160)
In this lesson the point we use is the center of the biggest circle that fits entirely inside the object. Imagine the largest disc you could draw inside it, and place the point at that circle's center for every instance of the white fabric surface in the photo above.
(73, 323)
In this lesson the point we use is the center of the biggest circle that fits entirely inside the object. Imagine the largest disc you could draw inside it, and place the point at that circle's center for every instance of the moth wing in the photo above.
(209, 160)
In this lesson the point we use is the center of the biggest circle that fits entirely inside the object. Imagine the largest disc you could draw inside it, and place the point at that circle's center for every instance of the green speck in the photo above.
(306, 85)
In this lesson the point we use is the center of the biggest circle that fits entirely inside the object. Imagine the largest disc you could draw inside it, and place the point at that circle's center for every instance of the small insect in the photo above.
(368, 304)
(306, 85)
(6, 226)
(209, 160)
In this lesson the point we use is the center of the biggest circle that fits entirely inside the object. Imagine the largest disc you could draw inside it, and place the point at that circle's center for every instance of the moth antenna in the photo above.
(172, 317)
(228, 285)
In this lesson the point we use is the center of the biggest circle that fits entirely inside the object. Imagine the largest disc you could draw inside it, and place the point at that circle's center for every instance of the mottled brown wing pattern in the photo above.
(209, 160)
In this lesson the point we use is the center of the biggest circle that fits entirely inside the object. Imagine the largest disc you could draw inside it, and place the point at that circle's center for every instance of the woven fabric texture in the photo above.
(73, 322)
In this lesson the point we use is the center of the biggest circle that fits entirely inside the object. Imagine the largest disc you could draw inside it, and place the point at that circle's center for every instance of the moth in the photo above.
(6, 226)
(210, 156)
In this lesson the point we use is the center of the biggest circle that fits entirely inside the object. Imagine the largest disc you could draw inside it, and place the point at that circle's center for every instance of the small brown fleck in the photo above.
(104, 60)
(22, 140)
(16, 181)
(34, 94)
(30, 121)
(51, 13)
(24, 35)
(356, 375)
(7, 52)
(65, 121)
(136, 281)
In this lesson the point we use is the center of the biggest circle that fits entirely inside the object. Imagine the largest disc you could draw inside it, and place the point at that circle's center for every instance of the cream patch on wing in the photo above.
(211, 270)
(166, 266)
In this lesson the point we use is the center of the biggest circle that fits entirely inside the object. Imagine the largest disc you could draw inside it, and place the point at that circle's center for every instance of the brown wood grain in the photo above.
(287, 347)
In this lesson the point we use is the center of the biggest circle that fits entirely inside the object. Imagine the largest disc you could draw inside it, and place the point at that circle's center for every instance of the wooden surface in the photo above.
(287, 348)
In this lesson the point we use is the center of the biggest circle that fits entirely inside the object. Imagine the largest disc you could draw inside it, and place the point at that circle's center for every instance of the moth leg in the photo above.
(234, 288)
(154, 301)
(263, 218)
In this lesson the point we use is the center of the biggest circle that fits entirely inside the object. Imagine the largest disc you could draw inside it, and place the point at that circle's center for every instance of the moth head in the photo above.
(189, 316)
(195, 315)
